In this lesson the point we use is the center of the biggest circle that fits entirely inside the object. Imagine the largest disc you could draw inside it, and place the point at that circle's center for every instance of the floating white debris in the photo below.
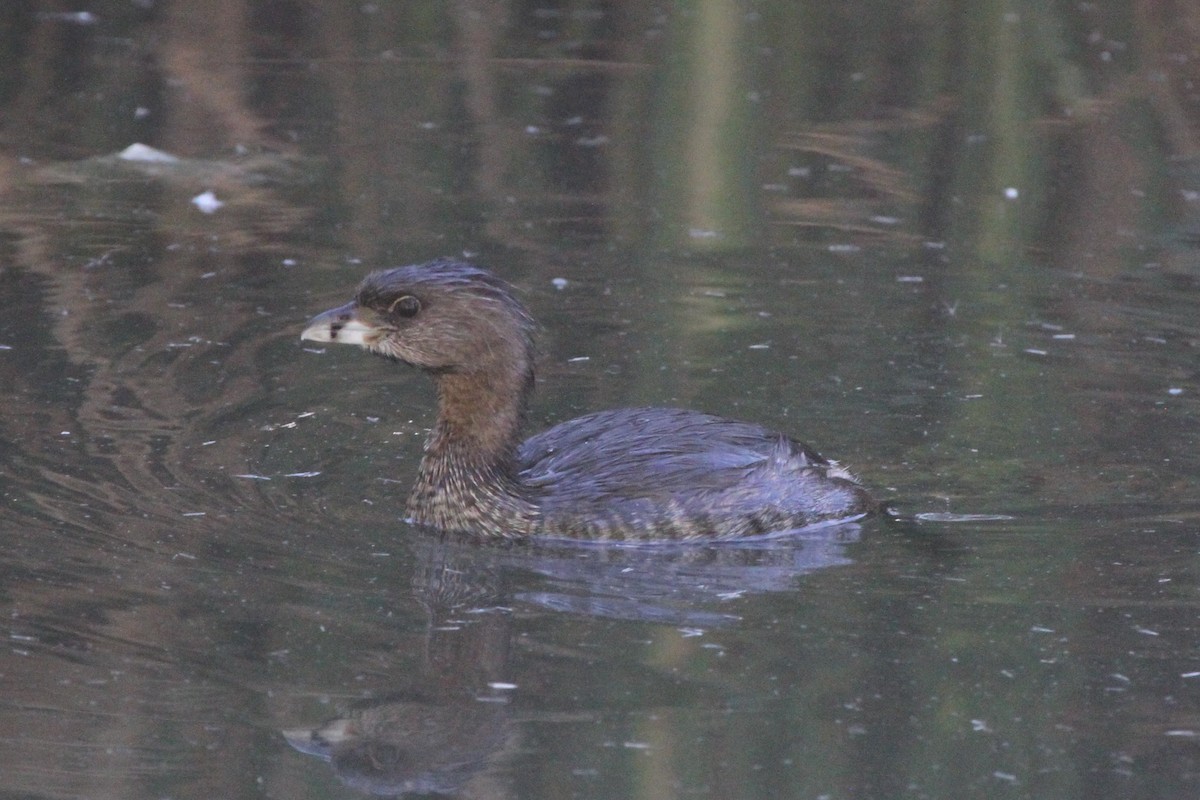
(501, 685)
(207, 202)
(75, 17)
(910, 279)
(1011, 193)
(1175, 391)
(558, 283)
(844, 248)
(146, 154)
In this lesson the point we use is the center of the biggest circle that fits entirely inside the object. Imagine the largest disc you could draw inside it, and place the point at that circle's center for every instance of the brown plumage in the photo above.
(636, 474)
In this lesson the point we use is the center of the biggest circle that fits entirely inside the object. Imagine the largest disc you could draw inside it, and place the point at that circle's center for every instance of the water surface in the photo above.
(954, 246)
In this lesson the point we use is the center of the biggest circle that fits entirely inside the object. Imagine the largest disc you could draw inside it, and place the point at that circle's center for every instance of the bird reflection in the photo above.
(678, 585)
(446, 733)
(408, 746)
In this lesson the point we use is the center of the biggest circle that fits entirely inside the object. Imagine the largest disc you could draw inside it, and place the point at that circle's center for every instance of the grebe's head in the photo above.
(444, 316)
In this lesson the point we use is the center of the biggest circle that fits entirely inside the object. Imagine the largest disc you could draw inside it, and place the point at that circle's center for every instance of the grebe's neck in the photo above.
(479, 417)
(467, 479)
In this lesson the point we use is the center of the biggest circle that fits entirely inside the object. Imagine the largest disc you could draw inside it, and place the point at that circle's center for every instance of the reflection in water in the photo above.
(684, 584)
(397, 746)
(679, 586)
(958, 242)
(453, 722)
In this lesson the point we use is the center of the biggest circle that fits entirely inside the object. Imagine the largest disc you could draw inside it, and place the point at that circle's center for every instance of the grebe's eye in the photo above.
(406, 306)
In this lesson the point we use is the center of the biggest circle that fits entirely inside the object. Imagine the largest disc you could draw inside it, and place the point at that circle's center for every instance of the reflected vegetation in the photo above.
(955, 242)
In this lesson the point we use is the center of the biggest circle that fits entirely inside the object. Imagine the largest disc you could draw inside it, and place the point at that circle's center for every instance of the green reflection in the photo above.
(704, 130)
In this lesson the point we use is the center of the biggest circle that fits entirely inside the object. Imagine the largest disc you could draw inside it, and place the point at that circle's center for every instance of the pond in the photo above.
(954, 245)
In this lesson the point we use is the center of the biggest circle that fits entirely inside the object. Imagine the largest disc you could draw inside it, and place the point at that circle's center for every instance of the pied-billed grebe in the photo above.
(632, 474)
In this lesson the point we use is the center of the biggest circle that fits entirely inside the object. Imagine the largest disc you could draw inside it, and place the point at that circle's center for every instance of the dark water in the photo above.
(956, 245)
